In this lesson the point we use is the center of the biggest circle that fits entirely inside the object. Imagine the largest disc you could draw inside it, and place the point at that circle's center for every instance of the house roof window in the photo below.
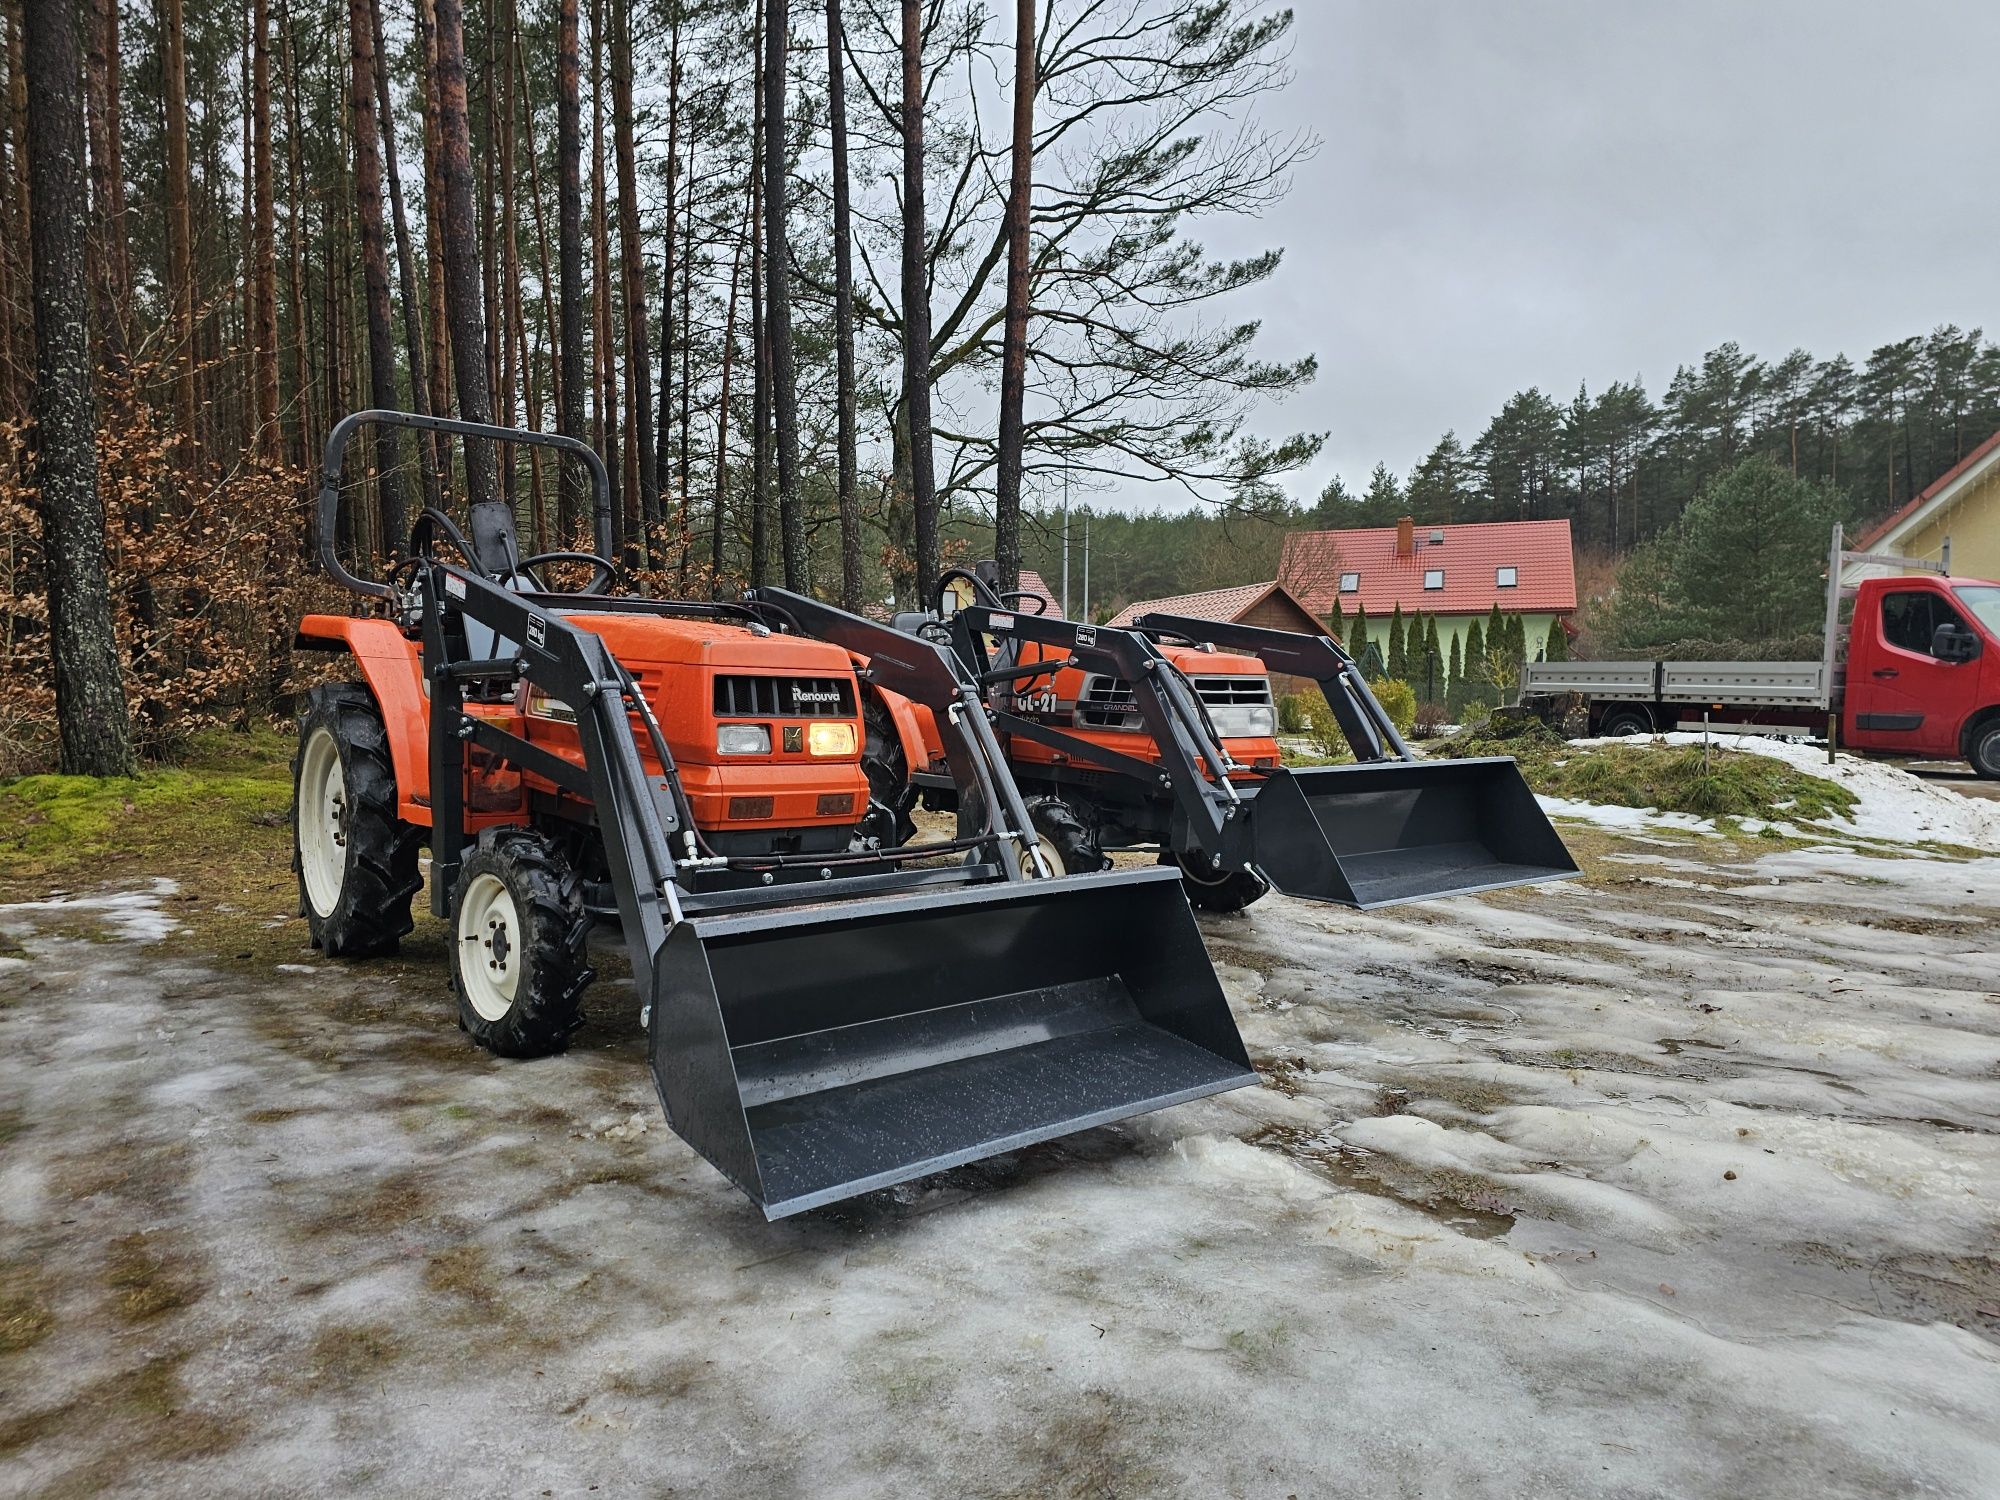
(1506, 578)
(1350, 583)
(1434, 578)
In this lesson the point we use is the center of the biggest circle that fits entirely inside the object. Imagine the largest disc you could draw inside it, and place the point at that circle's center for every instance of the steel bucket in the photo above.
(1381, 833)
(814, 1054)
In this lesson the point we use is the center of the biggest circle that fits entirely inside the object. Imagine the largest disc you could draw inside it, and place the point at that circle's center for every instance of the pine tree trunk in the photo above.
(605, 386)
(180, 232)
(113, 281)
(375, 269)
(16, 336)
(304, 447)
(760, 345)
(266, 442)
(632, 267)
(663, 447)
(406, 261)
(530, 376)
(719, 520)
(461, 253)
(440, 340)
(778, 273)
(848, 499)
(917, 306)
(569, 233)
(1014, 354)
(92, 723)
(508, 315)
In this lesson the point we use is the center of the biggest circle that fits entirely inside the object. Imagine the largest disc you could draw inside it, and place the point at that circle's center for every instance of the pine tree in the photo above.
(1556, 646)
(1454, 692)
(1495, 628)
(1357, 634)
(1433, 669)
(1334, 619)
(1399, 644)
(1477, 678)
(1517, 641)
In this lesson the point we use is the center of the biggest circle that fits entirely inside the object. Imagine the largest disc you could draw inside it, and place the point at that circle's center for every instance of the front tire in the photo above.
(1210, 889)
(517, 955)
(356, 861)
(1984, 752)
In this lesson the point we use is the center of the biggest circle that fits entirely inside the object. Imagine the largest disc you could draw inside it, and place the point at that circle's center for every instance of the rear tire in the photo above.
(1069, 847)
(1984, 752)
(517, 954)
(1623, 722)
(890, 793)
(1209, 889)
(356, 861)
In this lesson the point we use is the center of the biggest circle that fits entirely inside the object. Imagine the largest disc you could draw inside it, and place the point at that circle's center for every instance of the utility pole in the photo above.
(1086, 564)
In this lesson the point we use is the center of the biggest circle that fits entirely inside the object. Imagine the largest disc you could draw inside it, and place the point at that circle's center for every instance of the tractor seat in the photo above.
(911, 621)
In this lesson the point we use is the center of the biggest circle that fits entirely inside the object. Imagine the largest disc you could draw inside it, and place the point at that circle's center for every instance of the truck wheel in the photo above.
(1621, 722)
(356, 861)
(1210, 889)
(1985, 756)
(517, 962)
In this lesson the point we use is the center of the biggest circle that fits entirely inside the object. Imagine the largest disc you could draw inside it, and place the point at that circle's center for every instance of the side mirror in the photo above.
(1954, 643)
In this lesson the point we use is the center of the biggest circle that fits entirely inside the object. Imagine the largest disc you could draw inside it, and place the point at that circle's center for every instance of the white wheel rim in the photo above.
(322, 821)
(490, 959)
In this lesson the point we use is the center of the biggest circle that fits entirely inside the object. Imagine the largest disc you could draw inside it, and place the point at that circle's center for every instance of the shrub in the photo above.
(1293, 713)
(1399, 701)
(1431, 718)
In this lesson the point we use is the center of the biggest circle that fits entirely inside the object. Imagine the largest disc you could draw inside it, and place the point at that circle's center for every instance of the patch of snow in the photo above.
(134, 916)
(1893, 806)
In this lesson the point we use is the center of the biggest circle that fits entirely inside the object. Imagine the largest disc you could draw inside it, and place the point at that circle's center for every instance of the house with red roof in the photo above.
(1269, 605)
(1457, 573)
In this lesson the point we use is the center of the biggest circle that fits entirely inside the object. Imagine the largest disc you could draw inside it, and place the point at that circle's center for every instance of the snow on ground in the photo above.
(1675, 1181)
(1894, 805)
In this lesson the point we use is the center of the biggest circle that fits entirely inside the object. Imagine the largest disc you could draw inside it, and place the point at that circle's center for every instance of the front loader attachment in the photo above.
(1381, 833)
(815, 1054)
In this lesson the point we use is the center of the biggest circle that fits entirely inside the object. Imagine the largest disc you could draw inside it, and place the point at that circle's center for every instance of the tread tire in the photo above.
(372, 913)
(1059, 826)
(1627, 722)
(1983, 754)
(890, 792)
(548, 1005)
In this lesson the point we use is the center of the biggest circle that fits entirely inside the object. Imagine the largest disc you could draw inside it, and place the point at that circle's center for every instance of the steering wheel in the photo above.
(984, 592)
(601, 581)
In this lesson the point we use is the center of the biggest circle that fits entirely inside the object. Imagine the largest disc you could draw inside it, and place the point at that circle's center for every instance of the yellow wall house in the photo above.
(1964, 505)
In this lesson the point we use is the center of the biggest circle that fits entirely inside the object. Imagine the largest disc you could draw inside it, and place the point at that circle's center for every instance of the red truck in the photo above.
(1919, 677)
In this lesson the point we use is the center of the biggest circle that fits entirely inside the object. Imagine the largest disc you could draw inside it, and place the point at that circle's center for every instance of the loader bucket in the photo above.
(813, 1055)
(1379, 834)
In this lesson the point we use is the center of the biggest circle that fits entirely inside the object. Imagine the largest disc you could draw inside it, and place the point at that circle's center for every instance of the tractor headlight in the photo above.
(1244, 721)
(830, 739)
(742, 739)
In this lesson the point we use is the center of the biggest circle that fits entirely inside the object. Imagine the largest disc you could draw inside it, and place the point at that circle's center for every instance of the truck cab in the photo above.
(1923, 670)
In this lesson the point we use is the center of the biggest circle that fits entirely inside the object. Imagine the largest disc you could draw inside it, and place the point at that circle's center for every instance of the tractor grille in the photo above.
(1106, 702)
(784, 697)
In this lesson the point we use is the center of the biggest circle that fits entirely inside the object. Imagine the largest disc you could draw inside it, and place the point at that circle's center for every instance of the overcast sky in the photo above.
(1540, 191)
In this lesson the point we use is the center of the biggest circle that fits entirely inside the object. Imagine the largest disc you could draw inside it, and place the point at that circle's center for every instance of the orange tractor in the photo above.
(828, 1009)
(1160, 737)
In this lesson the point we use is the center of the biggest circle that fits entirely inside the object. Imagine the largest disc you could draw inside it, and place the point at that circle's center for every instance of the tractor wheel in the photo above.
(890, 794)
(1984, 753)
(1069, 847)
(1623, 722)
(1210, 889)
(517, 958)
(356, 861)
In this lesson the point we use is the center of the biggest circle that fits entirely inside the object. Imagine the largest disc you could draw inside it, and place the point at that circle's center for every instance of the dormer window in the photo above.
(1350, 583)
(1506, 578)
(1434, 578)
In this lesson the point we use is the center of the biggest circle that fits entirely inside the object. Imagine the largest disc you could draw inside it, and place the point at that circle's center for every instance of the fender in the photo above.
(916, 729)
(390, 666)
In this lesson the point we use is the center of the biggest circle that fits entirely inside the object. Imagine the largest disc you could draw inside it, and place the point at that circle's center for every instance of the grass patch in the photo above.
(24, 1312)
(146, 1283)
(1719, 784)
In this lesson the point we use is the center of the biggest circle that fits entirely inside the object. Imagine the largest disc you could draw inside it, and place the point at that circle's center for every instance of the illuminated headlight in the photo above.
(1244, 721)
(830, 739)
(742, 739)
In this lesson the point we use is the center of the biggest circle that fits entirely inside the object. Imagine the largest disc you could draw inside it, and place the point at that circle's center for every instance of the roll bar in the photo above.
(492, 520)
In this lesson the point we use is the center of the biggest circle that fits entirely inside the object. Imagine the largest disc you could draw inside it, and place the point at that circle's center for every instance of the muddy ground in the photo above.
(1677, 1181)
